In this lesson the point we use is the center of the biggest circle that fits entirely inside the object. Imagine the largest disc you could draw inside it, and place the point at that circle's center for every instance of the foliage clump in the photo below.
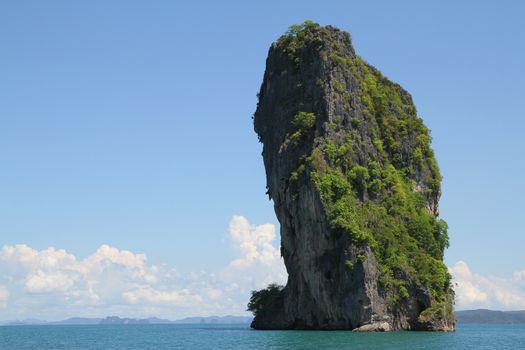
(438, 311)
(301, 124)
(266, 301)
(297, 37)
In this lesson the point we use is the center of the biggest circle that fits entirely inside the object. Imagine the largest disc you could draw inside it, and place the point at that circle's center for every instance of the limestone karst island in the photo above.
(355, 186)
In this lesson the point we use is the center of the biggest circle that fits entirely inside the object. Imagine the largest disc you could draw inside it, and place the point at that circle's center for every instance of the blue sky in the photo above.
(128, 123)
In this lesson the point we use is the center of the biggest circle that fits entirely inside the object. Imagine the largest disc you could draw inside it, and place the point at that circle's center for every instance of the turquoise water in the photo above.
(160, 337)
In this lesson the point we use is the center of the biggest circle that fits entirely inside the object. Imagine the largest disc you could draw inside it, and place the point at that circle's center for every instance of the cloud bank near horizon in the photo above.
(54, 284)
(476, 291)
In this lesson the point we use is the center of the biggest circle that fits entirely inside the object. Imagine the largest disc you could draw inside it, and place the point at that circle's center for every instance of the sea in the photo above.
(237, 336)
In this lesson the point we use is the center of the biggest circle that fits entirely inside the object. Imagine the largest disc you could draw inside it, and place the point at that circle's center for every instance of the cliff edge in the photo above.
(355, 187)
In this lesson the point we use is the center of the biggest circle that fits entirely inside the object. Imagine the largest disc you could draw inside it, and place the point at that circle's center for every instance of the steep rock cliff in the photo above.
(355, 187)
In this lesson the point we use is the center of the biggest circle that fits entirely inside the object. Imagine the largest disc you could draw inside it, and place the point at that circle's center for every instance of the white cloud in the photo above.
(53, 283)
(45, 282)
(478, 291)
(4, 295)
(254, 243)
(520, 276)
(259, 263)
(182, 297)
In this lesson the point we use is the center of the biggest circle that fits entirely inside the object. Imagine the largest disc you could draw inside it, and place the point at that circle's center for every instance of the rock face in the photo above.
(355, 187)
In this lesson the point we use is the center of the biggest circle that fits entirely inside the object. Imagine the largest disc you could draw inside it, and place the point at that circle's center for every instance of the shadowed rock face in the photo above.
(355, 188)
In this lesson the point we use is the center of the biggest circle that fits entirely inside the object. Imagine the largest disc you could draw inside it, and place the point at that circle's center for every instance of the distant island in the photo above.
(490, 316)
(115, 320)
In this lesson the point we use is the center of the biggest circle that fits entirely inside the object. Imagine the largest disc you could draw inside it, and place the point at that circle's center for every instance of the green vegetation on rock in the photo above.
(268, 300)
(301, 124)
(438, 311)
(375, 200)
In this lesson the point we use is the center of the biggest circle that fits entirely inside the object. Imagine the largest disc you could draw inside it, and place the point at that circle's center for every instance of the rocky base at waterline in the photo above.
(355, 186)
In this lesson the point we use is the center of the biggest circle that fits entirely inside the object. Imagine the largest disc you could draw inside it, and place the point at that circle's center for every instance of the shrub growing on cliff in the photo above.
(296, 38)
(359, 177)
(266, 301)
(438, 312)
(301, 124)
